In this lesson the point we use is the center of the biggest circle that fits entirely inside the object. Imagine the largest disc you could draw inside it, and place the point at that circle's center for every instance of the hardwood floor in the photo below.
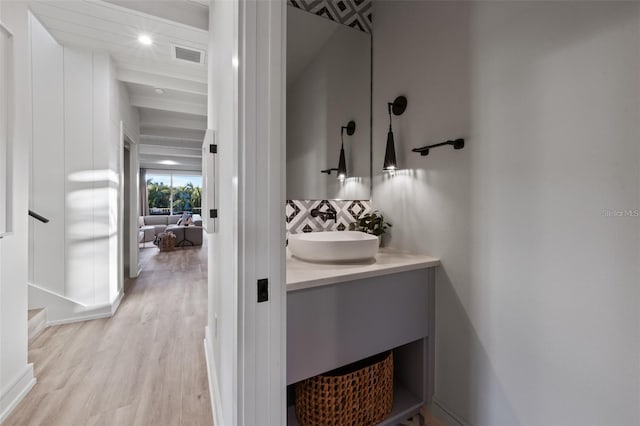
(425, 418)
(144, 366)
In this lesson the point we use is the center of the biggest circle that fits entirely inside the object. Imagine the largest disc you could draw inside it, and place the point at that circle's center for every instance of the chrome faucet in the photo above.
(329, 214)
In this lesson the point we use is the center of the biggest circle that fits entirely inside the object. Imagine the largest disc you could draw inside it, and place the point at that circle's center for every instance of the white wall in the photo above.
(16, 376)
(128, 114)
(538, 295)
(332, 89)
(79, 213)
(75, 169)
(47, 248)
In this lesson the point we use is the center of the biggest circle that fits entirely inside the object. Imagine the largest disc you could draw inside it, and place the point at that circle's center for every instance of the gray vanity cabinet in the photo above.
(334, 325)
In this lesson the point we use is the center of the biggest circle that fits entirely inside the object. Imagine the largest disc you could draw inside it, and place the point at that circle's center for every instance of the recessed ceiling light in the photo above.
(145, 40)
(168, 162)
(159, 91)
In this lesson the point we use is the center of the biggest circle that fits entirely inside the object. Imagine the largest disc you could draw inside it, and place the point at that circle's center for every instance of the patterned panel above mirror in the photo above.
(352, 13)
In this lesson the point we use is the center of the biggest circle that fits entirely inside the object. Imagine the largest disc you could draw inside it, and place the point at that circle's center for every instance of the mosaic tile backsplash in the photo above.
(298, 215)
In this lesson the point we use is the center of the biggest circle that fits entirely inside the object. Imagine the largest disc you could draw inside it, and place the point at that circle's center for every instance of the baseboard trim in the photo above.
(214, 391)
(11, 396)
(116, 302)
(444, 413)
(80, 319)
(56, 295)
(62, 310)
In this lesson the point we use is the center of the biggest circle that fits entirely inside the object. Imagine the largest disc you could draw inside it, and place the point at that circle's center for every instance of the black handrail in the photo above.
(38, 217)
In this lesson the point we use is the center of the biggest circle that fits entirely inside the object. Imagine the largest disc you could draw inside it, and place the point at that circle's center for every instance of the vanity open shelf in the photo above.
(409, 391)
(337, 316)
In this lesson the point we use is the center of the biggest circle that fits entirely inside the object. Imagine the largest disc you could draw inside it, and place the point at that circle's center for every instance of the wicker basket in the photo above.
(360, 394)
(166, 241)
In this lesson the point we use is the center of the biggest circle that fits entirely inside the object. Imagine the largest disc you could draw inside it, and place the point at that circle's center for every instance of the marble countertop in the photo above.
(303, 275)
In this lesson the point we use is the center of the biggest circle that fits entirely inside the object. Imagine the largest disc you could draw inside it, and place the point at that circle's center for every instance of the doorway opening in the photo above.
(129, 264)
(126, 195)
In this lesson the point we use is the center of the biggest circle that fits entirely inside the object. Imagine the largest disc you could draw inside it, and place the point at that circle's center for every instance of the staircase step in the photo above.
(37, 322)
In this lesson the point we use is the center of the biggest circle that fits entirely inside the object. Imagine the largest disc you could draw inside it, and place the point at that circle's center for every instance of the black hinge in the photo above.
(213, 213)
(213, 148)
(263, 290)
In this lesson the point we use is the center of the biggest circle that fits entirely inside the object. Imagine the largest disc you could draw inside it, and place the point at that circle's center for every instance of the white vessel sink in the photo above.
(333, 246)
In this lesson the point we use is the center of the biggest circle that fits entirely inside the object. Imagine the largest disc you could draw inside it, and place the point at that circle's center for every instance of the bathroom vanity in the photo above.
(341, 313)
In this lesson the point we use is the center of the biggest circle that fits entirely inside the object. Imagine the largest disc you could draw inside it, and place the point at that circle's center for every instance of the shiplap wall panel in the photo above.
(78, 120)
(102, 208)
(48, 160)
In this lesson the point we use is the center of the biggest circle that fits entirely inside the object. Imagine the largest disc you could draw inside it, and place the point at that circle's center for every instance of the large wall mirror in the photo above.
(328, 86)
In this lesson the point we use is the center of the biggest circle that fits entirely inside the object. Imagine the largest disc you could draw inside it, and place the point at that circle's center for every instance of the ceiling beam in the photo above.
(155, 118)
(182, 163)
(202, 2)
(169, 105)
(162, 67)
(180, 167)
(172, 133)
(161, 81)
(179, 143)
(167, 151)
(187, 13)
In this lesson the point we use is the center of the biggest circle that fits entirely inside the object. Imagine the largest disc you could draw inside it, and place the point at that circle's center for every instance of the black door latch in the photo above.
(263, 290)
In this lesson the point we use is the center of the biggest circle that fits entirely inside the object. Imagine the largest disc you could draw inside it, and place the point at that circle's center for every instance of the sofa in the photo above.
(150, 226)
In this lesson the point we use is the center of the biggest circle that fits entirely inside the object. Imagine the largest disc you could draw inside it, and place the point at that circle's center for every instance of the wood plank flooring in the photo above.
(425, 418)
(144, 366)
(37, 322)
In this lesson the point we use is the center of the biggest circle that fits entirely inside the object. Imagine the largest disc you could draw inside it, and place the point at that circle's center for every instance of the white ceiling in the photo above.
(175, 119)
(145, 96)
(190, 12)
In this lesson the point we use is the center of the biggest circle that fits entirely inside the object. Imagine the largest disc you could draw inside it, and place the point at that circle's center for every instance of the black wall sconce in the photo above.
(397, 107)
(342, 162)
(457, 144)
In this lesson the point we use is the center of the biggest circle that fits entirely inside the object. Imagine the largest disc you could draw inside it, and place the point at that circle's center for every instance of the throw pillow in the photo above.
(185, 219)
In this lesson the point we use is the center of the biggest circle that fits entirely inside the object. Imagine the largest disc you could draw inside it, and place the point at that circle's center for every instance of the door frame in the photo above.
(134, 203)
(6, 225)
(261, 351)
(245, 343)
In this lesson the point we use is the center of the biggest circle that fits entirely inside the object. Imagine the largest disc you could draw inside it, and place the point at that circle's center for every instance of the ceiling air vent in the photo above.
(188, 54)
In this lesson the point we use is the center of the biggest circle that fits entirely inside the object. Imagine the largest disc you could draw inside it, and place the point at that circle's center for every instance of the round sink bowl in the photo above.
(333, 246)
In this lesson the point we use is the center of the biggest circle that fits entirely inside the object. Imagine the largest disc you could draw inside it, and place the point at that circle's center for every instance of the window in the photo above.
(174, 193)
